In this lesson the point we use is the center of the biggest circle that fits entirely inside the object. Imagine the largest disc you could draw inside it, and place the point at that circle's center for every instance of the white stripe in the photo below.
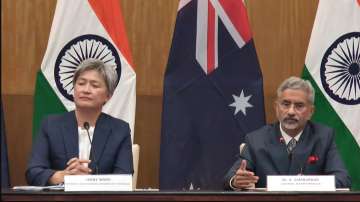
(201, 34)
(216, 41)
(183, 3)
(228, 24)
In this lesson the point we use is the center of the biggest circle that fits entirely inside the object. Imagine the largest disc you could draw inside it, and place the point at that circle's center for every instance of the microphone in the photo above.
(92, 150)
(282, 141)
(242, 155)
(243, 146)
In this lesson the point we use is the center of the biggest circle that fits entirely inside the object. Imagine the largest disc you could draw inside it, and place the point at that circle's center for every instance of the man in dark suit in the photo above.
(292, 146)
(83, 141)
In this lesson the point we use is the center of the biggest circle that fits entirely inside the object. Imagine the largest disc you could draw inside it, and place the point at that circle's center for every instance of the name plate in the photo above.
(301, 183)
(118, 182)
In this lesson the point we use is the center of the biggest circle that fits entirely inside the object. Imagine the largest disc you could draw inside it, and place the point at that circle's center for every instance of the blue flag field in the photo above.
(213, 94)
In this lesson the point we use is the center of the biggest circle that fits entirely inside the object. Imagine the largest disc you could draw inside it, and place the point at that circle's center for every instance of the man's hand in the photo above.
(75, 166)
(243, 178)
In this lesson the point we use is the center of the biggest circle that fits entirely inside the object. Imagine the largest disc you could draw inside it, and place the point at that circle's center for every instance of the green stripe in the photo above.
(347, 145)
(45, 102)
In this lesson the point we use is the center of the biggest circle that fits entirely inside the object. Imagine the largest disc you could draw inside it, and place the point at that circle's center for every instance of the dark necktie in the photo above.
(291, 145)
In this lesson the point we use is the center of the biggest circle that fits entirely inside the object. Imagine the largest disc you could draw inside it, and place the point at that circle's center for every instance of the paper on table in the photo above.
(59, 187)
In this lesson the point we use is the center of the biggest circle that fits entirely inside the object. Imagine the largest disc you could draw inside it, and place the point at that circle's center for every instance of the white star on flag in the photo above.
(241, 103)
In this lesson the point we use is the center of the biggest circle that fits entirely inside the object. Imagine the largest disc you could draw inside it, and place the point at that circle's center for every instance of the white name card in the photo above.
(301, 183)
(118, 182)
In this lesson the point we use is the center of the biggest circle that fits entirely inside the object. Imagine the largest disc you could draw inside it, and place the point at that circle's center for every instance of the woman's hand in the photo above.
(75, 166)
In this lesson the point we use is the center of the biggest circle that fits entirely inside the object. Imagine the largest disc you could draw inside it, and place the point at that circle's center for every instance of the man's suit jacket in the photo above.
(58, 142)
(266, 154)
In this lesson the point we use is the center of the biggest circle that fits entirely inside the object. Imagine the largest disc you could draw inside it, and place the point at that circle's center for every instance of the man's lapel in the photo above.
(302, 151)
(277, 150)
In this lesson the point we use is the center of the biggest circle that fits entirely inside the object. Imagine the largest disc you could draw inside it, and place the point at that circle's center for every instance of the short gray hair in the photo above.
(108, 73)
(296, 83)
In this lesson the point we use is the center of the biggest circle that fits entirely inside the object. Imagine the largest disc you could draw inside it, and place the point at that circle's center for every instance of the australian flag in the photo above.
(213, 94)
(5, 180)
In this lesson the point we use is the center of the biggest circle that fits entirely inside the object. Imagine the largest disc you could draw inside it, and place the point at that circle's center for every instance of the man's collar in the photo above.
(287, 137)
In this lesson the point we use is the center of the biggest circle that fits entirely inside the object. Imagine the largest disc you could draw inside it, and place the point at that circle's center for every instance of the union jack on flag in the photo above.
(233, 16)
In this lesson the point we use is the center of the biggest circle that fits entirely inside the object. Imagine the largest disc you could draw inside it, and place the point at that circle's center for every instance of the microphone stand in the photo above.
(92, 150)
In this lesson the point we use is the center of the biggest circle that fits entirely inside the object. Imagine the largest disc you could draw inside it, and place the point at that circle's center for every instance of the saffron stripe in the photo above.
(109, 14)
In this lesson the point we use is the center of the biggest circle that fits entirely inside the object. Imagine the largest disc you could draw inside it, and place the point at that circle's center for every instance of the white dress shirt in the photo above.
(287, 137)
(84, 143)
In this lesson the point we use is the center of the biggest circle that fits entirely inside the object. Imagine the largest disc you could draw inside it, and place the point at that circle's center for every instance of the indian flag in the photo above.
(332, 65)
(85, 29)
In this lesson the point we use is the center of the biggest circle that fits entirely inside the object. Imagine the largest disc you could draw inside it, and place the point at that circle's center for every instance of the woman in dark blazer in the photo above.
(83, 141)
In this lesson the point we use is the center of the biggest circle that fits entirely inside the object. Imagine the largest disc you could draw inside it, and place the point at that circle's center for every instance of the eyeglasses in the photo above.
(298, 106)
